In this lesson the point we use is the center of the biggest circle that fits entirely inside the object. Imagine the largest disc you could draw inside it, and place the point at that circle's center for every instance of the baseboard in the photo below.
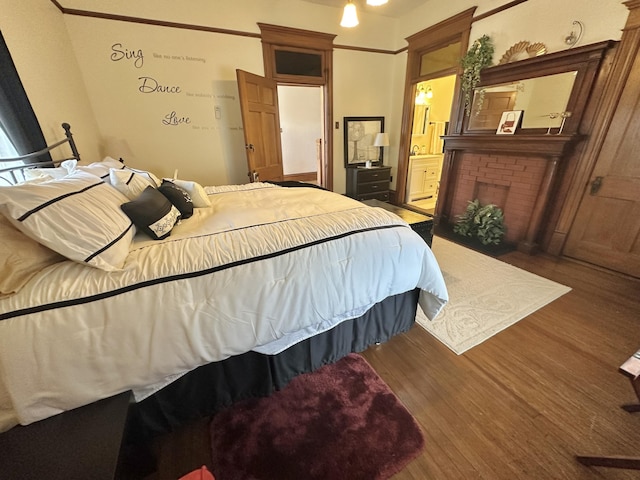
(301, 177)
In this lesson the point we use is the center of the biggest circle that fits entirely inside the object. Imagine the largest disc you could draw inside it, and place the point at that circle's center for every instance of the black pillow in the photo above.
(178, 196)
(153, 213)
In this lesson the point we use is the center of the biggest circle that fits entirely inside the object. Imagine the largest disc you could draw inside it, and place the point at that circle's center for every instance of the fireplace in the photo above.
(510, 182)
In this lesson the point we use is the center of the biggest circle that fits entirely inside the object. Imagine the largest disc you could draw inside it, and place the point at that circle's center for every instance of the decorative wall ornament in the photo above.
(523, 50)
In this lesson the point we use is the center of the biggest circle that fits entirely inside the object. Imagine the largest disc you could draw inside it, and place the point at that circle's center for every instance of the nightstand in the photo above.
(369, 183)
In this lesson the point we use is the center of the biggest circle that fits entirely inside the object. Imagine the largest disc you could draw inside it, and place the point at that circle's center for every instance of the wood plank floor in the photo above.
(518, 406)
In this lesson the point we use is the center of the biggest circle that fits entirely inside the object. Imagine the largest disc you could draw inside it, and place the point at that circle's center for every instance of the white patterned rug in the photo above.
(485, 296)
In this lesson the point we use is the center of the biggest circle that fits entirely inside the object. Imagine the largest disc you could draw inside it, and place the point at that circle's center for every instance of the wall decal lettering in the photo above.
(121, 53)
(151, 85)
(173, 119)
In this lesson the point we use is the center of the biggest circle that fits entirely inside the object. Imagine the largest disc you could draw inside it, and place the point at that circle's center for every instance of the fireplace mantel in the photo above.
(547, 146)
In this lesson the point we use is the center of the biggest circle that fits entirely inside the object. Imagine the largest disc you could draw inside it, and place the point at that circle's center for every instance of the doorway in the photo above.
(431, 115)
(301, 132)
(432, 54)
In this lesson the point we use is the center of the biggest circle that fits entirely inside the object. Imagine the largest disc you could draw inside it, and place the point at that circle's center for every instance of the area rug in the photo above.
(485, 296)
(339, 422)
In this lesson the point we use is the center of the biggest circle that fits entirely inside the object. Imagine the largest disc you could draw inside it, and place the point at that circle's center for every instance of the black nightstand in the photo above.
(369, 183)
(421, 224)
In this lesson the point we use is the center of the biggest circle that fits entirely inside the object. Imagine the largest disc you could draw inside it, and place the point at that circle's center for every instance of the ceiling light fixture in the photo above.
(376, 3)
(350, 16)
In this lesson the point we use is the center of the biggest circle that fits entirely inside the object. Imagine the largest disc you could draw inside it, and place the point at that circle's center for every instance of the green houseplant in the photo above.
(479, 56)
(486, 223)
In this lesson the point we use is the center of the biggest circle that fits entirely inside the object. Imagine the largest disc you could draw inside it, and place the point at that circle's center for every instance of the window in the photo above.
(19, 129)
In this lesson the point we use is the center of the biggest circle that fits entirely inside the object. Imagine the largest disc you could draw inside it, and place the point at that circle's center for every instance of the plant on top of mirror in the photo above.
(486, 223)
(479, 56)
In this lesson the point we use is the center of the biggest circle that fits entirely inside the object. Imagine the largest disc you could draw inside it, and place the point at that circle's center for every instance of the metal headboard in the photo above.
(21, 161)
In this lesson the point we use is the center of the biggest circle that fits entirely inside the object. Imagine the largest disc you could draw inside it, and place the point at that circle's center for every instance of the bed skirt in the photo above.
(211, 387)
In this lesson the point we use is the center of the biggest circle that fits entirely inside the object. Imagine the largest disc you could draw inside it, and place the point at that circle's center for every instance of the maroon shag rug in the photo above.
(339, 422)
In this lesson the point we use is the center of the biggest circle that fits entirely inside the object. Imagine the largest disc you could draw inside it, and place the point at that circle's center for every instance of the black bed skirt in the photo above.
(211, 387)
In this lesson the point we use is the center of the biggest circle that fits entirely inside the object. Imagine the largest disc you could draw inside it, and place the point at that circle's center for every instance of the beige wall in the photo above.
(65, 63)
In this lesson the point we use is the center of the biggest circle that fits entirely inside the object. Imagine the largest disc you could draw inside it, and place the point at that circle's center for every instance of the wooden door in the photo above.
(606, 230)
(261, 123)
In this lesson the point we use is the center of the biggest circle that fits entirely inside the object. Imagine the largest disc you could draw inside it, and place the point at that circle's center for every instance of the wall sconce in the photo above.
(574, 37)
(424, 93)
(350, 16)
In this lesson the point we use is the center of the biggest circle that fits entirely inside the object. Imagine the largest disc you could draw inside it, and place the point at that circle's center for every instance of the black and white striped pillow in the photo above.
(131, 183)
(78, 216)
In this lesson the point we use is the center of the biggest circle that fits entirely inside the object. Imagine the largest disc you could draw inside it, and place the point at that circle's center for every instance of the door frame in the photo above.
(275, 37)
(454, 29)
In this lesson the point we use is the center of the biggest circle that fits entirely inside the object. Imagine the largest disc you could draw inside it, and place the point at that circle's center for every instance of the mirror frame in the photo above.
(584, 60)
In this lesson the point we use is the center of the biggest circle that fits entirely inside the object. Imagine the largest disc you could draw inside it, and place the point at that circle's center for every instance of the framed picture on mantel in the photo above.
(509, 122)
(359, 136)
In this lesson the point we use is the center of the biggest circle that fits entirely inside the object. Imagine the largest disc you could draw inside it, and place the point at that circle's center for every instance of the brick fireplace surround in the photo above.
(511, 182)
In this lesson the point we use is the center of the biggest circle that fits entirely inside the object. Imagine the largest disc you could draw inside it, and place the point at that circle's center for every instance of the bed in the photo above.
(191, 297)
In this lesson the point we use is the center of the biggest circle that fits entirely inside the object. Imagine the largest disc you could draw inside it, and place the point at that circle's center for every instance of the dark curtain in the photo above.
(17, 118)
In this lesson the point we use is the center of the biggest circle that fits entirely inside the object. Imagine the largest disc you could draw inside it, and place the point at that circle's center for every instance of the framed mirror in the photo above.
(551, 91)
(359, 136)
(543, 101)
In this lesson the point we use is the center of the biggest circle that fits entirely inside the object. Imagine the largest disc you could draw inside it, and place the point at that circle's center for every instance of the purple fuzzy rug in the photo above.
(339, 422)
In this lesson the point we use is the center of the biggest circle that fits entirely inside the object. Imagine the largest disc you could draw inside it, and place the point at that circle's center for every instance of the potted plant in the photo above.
(479, 56)
(485, 223)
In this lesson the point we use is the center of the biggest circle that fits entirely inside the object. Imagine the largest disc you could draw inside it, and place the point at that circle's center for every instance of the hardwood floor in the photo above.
(518, 406)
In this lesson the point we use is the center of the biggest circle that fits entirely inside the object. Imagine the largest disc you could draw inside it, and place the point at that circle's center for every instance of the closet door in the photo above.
(606, 229)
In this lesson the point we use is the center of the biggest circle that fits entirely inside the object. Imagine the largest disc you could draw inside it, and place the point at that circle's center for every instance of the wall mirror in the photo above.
(359, 138)
(551, 90)
(542, 100)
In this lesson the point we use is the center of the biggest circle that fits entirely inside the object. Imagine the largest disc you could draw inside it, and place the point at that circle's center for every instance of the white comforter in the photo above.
(261, 269)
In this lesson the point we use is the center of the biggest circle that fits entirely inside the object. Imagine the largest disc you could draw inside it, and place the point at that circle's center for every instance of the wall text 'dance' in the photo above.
(151, 85)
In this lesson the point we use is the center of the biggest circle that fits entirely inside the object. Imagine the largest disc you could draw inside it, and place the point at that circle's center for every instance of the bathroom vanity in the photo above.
(424, 178)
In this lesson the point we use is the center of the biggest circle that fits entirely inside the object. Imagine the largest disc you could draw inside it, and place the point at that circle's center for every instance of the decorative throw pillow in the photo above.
(130, 183)
(21, 258)
(78, 216)
(178, 196)
(198, 195)
(153, 213)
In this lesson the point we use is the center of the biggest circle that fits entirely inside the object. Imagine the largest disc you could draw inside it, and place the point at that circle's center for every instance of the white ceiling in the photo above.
(394, 8)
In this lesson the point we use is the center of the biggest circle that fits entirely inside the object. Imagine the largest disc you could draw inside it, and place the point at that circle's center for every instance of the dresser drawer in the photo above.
(373, 187)
(382, 196)
(377, 175)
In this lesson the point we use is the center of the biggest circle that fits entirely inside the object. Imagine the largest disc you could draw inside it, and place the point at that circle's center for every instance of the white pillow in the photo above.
(78, 216)
(57, 173)
(198, 195)
(130, 183)
(21, 258)
(100, 169)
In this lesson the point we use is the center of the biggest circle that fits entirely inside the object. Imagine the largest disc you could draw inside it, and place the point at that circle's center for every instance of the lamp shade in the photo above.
(381, 140)
(350, 16)
(375, 3)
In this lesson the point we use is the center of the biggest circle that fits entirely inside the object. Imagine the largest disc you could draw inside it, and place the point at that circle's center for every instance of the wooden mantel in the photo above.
(529, 145)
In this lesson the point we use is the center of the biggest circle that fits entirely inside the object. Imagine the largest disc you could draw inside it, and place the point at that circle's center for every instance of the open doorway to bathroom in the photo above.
(431, 112)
